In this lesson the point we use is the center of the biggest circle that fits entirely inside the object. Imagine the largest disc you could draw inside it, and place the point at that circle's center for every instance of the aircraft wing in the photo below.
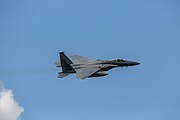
(80, 59)
(84, 73)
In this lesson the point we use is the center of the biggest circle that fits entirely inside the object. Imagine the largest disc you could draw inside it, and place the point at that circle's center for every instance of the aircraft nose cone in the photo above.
(136, 63)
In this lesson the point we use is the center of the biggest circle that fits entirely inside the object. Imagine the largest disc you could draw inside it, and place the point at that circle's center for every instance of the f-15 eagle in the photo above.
(86, 68)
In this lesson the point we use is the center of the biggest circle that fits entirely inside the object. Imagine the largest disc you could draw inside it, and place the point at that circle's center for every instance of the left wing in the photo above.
(80, 59)
(84, 73)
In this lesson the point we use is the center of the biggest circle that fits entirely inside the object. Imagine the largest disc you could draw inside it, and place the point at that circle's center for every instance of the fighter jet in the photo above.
(87, 68)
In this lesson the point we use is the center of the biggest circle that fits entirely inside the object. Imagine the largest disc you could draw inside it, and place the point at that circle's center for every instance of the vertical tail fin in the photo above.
(65, 63)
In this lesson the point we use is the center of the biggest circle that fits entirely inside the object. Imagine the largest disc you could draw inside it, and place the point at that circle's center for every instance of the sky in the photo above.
(32, 32)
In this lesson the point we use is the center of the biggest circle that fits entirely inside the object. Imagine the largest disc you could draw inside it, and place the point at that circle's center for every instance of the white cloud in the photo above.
(9, 108)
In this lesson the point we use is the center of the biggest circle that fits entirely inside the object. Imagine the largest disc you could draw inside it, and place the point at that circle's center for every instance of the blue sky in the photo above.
(33, 32)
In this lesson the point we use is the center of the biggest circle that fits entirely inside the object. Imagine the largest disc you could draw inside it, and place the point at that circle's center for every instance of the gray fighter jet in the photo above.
(86, 68)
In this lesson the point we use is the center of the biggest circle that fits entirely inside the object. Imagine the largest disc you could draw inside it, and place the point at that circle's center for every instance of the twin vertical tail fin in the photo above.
(66, 63)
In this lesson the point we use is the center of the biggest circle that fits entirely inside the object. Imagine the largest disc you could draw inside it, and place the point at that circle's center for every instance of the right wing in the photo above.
(84, 73)
(80, 59)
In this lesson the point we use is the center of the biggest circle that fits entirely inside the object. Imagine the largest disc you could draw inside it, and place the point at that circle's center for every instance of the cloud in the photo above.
(9, 108)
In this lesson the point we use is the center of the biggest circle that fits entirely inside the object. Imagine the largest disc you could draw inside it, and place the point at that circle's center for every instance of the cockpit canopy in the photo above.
(120, 60)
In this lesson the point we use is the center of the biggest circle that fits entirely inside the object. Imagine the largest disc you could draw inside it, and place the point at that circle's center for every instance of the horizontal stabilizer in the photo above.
(62, 75)
(58, 64)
